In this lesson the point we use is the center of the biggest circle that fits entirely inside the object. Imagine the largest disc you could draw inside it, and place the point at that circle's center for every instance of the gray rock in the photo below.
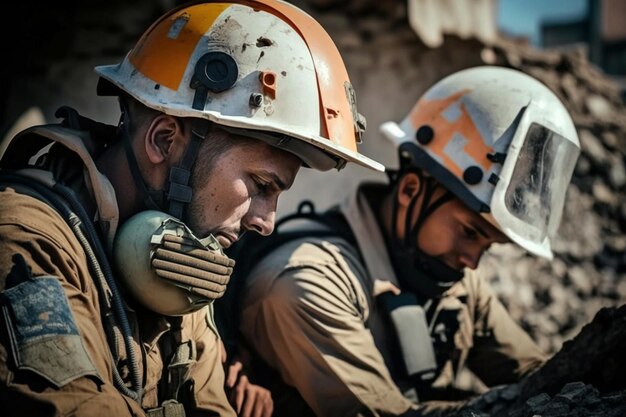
(610, 139)
(538, 402)
(580, 280)
(603, 193)
(617, 171)
(593, 148)
(599, 107)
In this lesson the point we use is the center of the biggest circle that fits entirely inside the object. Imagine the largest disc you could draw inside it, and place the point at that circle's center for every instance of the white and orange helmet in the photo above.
(264, 68)
(499, 140)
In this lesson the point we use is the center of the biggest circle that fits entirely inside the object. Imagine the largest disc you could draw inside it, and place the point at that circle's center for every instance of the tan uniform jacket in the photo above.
(309, 311)
(54, 355)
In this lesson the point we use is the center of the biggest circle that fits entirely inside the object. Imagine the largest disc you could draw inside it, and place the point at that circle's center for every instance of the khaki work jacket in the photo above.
(309, 311)
(54, 355)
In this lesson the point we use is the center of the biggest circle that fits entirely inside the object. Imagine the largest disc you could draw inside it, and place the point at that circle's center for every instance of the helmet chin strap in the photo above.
(418, 271)
(178, 191)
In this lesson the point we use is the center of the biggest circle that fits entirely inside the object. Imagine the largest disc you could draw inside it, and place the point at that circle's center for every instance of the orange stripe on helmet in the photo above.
(430, 112)
(164, 59)
(332, 76)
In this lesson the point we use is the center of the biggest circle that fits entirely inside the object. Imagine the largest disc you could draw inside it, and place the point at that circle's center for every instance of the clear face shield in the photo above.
(528, 200)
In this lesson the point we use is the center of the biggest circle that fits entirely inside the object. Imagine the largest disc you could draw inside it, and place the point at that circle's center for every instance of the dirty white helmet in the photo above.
(264, 68)
(500, 141)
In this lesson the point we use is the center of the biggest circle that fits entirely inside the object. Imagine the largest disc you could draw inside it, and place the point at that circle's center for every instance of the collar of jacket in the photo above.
(369, 237)
(76, 141)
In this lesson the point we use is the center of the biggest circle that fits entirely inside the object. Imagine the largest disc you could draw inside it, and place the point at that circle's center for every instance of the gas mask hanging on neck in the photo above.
(166, 268)
(418, 272)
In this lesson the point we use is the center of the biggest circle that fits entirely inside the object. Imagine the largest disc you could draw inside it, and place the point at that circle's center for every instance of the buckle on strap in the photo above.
(169, 408)
(180, 366)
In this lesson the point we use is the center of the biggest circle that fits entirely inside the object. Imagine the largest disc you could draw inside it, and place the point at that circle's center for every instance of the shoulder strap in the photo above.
(179, 357)
(249, 250)
(63, 200)
(17, 152)
(253, 247)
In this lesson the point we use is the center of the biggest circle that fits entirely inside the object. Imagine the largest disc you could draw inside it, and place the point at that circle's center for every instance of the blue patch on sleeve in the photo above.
(40, 309)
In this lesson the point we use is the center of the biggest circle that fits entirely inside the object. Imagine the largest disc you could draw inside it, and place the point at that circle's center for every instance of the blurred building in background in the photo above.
(601, 33)
(433, 19)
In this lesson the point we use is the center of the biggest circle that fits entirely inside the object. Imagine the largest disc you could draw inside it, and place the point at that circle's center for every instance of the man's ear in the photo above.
(165, 139)
(408, 186)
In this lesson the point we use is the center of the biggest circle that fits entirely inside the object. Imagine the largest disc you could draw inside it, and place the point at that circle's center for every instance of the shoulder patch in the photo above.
(43, 333)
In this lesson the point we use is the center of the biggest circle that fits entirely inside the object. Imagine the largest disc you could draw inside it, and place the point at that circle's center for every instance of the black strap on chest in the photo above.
(179, 356)
(253, 247)
(410, 323)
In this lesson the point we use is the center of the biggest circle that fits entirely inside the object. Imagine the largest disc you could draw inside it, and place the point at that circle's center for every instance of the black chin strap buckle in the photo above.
(179, 191)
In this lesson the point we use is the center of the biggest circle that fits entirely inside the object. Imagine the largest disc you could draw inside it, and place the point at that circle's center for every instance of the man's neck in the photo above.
(383, 210)
(114, 165)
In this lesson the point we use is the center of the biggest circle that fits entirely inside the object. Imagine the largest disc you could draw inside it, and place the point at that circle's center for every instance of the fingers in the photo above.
(233, 372)
(248, 400)
(258, 402)
(240, 393)
(223, 353)
(249, 403)
(269, 410)
(265, 404)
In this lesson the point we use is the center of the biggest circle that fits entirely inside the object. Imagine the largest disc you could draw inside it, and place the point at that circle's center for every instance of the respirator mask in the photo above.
(165, 267)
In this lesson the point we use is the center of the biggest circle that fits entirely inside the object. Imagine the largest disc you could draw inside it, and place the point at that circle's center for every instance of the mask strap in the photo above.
(410, 233)
(428, 208)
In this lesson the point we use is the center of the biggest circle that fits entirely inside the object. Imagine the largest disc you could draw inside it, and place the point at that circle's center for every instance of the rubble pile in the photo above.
(587, 377)
(576, 399)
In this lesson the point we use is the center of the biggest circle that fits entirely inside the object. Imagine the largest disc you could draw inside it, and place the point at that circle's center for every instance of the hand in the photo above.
(200, 271)
(496, 399)
(248, 400)
(381, 286)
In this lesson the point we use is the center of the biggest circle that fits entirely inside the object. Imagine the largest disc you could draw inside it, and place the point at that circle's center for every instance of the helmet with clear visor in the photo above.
(499, 140)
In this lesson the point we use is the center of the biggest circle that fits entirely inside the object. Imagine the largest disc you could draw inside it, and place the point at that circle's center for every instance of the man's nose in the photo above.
(261, 219)
(471, 256)
(262, 226)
